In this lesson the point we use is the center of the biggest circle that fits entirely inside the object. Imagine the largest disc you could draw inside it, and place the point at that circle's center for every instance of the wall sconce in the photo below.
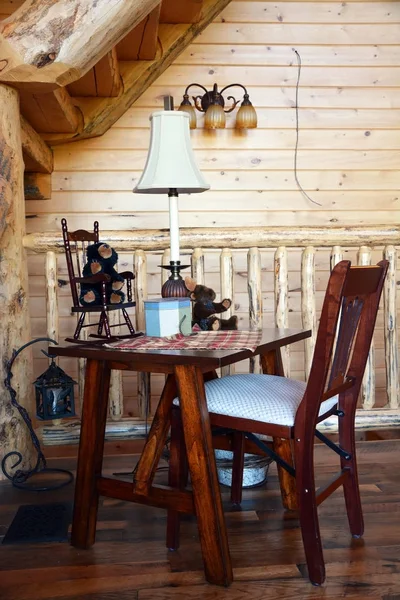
(212, 103)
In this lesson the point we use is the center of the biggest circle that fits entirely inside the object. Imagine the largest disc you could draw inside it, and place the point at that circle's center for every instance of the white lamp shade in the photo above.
(170, 161)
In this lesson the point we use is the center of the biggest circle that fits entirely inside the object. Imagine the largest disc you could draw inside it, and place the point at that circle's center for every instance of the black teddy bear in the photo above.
(101, 258)
(205, 310)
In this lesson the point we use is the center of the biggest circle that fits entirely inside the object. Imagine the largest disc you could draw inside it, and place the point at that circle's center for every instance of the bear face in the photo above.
(103, 252)
(203, 294)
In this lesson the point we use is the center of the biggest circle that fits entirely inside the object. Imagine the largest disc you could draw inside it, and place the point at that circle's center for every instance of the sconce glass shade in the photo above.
(188, 108)
(246, 117)
(170, 161)
(215, 117)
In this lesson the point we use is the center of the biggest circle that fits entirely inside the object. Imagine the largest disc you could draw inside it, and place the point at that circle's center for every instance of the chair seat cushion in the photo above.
(264, 398)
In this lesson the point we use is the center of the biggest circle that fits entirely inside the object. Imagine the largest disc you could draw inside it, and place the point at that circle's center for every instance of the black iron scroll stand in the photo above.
(20, 478)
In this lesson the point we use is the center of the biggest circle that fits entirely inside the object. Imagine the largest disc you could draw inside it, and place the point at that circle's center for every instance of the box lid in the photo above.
(166, 303)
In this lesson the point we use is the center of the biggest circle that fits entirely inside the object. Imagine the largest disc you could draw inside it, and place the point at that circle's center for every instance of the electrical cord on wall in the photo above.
(297, 131)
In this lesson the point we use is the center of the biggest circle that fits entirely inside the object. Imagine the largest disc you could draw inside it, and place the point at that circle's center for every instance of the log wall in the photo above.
(348, 157)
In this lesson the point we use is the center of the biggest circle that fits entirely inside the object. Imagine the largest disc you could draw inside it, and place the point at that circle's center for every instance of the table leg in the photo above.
(90, 457)
(271, 363)
(203, 474)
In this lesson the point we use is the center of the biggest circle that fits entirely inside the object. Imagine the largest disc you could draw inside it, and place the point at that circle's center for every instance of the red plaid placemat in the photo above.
(204, 340)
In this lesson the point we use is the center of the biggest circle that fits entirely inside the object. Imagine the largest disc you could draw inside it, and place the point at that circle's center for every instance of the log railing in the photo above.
(252, 240)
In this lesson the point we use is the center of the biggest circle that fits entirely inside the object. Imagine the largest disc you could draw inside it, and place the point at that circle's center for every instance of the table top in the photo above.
(164, 360)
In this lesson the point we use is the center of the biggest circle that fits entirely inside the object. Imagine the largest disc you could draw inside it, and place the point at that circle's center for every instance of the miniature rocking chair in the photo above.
(75, 244)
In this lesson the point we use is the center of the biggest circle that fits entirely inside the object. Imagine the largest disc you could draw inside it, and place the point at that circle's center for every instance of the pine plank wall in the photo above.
(348, 159)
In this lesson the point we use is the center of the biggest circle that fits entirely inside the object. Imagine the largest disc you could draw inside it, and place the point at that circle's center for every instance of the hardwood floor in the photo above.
(130, 561)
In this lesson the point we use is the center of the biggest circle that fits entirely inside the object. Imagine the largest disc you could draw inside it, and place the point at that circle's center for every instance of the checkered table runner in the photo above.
(204, 340)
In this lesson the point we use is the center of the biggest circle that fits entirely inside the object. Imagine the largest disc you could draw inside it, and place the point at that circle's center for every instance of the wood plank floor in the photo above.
(130, 561)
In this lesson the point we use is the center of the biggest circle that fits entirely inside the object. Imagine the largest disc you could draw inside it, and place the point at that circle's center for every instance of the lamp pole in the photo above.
(174, 286)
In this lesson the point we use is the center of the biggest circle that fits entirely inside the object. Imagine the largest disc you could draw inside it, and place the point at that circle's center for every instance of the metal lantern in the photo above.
(54, 394)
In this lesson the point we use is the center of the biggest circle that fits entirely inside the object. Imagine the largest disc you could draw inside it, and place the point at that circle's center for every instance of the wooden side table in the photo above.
(185, 370)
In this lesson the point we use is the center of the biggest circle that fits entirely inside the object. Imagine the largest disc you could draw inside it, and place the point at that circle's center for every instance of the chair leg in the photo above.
(351, 488)
(128, 321)
(286, 481)
(177, 475)
(308, 513)
(79, 326)
(237, 467)
(100, 325)
(106, 324)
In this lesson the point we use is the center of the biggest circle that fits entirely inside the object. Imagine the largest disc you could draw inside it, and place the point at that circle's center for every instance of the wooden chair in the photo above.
(75, 244)
(289, 410)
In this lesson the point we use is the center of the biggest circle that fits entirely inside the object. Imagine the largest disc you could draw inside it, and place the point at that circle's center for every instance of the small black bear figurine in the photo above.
(101, 258)
(205, 309)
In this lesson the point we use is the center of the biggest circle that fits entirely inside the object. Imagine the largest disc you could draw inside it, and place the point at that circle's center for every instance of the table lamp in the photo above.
(171, 169)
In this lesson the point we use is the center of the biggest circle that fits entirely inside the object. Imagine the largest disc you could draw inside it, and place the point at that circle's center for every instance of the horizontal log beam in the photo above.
(181, 11)
(49, 44)
(37, 154)
(68, 431)
(37, 186)
(141, 42)
(245, 237)
(52, 112)
(101, 114)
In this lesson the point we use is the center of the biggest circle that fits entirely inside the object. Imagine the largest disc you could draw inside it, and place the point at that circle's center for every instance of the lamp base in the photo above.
(174, 287)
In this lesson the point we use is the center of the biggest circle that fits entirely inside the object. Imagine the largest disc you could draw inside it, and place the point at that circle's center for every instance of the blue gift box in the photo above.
(168, 316)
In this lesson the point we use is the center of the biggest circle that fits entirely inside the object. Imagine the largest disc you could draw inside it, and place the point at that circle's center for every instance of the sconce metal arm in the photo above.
(234, 101)
(234, 85)
(194, 84)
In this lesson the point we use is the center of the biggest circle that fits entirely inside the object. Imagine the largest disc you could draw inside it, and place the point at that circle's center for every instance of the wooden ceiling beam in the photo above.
(100, 114)
(51, 43)
(37, 154)
(51, 113)
(181, 11)
(107, 76)
(37, 186)
(141, 42)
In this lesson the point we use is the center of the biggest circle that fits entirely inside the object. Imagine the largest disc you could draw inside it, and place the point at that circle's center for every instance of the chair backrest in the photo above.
(344, 335)
(75, 244)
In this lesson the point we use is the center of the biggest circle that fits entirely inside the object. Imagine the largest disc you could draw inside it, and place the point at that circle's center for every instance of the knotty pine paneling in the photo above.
(348, 156)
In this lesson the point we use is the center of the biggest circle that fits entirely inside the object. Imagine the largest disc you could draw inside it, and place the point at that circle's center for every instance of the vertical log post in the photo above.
(51, 296)
(368, 384)
(308, 303)
(336, 255)
(14, 311)
(198, 266)
(255, 298)
(226, 267)
(116, 396)
(390, 317)
(281, 291)
(140, 287)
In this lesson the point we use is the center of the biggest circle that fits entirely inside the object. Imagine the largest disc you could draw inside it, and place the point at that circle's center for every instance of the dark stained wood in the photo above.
(339, 369)
(203, 475)
(156, 439)
(160, 496)
(75, 247)
(190, 369)
(94, 416)
(129, 560)
(271, 363)
(206, 360)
